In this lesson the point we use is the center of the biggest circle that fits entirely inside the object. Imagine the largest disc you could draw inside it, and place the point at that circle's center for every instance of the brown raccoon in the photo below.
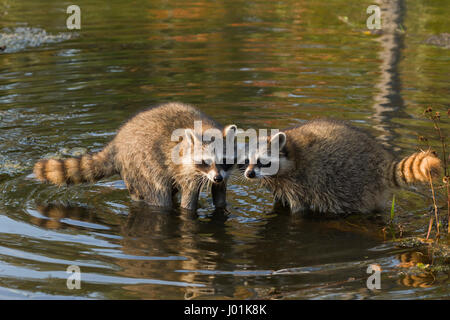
(141, 153)
(330, 167)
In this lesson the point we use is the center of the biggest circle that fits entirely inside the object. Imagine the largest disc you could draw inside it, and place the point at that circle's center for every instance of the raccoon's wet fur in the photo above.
(141, 153)
(330, 167)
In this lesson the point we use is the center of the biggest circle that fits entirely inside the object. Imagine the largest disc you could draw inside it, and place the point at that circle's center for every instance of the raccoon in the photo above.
(329, 167)
(142, 153)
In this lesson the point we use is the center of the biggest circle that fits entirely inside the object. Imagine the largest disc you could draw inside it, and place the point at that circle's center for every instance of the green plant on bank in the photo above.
(392, 226)
(393, 209)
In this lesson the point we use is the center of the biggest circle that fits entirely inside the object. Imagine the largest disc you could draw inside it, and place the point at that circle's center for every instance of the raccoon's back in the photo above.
(146, 139)
(161, 121)
(333, 154)
(333, 140)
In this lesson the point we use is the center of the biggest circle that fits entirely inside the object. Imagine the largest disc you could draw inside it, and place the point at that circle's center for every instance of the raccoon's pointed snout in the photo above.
(250, 174)
(215, 176)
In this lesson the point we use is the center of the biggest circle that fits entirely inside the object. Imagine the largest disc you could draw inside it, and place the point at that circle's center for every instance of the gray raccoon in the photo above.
(328, 166)
(141, 152)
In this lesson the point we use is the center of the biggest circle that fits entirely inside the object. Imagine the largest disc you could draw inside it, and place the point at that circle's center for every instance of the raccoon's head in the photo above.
(268, 159)
(211, 159)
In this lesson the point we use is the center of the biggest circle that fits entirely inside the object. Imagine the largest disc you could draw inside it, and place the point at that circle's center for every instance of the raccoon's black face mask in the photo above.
(216, 172)
(215, 164)
(267, 159)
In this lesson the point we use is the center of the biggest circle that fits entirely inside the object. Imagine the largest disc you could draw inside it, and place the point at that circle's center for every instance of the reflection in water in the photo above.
(53, 216)
(388, 101)
(170, 245)
(152, 232)
(423, 279)
(217, 255)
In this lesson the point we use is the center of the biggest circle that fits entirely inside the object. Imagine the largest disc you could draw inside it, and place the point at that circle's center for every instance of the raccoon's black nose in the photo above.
(218, 178)
(250, 174)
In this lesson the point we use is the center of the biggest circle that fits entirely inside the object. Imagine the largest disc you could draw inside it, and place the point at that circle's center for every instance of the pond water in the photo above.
(258, 64)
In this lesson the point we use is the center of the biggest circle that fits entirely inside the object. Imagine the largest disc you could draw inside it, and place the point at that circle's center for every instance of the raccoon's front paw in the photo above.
(219, 197)
(220, 205)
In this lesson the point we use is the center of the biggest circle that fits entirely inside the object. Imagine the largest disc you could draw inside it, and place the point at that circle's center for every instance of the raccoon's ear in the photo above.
(191, 136)
(281, 137)
(230, 130)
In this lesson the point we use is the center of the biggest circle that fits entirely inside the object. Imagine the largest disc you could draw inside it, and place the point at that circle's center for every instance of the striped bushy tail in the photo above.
(88, 168)
(416, 168)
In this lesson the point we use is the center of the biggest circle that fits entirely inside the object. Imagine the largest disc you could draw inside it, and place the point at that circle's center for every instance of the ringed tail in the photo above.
(87, 168)
(416, 168)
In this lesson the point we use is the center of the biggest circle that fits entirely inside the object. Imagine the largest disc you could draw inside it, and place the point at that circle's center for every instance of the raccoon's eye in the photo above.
(244, 165)
(204, 164)
(267, 165)
(261, 165)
